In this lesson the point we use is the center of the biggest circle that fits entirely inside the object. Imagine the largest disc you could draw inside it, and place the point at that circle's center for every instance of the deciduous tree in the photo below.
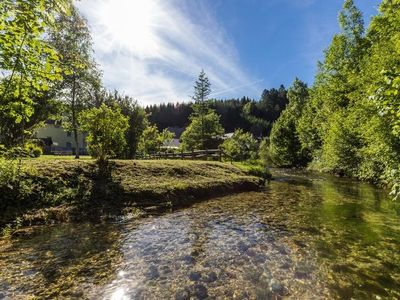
(106, 128)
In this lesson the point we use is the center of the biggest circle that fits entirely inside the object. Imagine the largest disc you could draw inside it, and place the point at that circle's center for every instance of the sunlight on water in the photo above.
(305, 236)
(119, 294)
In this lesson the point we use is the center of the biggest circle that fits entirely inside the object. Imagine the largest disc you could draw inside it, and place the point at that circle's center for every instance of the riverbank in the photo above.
(67, 190)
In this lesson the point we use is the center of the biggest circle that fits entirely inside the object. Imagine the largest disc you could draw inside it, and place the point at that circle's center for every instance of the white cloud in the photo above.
(153, 50)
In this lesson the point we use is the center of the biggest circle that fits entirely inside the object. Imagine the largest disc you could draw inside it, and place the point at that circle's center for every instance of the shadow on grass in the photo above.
(101, 195)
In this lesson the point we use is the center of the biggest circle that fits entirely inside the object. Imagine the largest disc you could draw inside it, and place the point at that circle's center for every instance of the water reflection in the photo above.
(304, 237)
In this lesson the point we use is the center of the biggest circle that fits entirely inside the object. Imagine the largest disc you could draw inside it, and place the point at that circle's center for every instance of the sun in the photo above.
(131, 25)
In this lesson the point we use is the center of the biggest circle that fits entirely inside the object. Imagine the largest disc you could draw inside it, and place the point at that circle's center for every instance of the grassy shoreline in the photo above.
(67, 190)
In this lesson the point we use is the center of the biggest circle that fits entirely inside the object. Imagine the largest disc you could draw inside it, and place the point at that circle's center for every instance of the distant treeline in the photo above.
(255, 116)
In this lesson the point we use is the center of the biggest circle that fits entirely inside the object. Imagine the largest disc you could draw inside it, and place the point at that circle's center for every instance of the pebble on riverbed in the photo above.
(194, 276)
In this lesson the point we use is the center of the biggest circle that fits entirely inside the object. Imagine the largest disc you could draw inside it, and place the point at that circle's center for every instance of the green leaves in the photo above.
(204, 132)
(151, 140)
(285, 149)
(29, 62)
(387, 99)
(106, 129)
(241, 146)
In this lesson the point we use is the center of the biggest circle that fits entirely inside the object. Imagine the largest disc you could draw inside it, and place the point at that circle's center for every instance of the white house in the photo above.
(59, 140)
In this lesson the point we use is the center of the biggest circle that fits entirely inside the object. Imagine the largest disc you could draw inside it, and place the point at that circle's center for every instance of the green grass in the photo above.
(59, 189)
(63, 157)
(255, 168)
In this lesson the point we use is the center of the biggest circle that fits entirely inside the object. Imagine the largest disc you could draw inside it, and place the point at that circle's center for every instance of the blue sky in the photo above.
(153, 50)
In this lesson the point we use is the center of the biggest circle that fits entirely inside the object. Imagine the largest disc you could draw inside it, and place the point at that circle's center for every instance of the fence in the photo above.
(215, 154)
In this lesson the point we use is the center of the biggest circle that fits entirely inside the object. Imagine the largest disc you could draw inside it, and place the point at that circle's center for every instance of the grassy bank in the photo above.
(64, 190)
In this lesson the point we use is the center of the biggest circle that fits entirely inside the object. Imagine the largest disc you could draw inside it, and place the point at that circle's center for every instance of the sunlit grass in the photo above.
(63, 157)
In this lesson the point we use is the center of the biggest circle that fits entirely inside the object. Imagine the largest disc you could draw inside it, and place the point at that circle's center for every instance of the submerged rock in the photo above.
(152, 273)
(276, 287)
(211, 277)
(200, 291)
(194, 276)
(189, 259)
(182, 295)
(242, 247)
(301, 275)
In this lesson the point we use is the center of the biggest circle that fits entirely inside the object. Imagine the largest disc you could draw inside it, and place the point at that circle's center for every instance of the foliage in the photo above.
(350, 123)
(340, 148)
(250, 115)
(30, 65)
(8, 172)
(263, 153)
(203, 132)
(241, 146)
(285, 149)
(388, 99)
(106, 128)
(131, 109)
(263, 113)
(152, 140)
(33, 149)
(254, 168)
(202, 89)
(81, 78)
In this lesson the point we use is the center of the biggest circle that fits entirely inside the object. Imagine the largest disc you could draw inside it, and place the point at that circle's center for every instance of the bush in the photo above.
(106, 128)
(263, 153)
(8, 172)
(241, 146)
(152, 140)
(33, 150)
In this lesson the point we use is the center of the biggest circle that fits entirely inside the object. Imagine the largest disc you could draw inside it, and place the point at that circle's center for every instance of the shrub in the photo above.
(153, 140)
(33, 149)
(241, 146)
(263, 152)
(106, 129)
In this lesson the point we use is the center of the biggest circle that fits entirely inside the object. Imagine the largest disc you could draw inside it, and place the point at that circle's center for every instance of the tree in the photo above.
(241, 146)
(336, 79)
(285, 149)
(204, 132)
(350, 124)
(71, 37)
(106, 128)
(202, 90)
(131, 109)
(30, 65)
(263, 113)
(205, 129)
(152, 140)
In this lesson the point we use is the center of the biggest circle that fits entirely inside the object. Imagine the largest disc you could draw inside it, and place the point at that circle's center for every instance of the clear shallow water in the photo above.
(305, 237)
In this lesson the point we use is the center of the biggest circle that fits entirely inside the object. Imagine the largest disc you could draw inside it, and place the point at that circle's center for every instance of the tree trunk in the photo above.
(202, 131)
(74, 121)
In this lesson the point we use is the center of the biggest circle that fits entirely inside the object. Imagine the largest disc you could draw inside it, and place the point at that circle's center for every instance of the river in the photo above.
(307, 236)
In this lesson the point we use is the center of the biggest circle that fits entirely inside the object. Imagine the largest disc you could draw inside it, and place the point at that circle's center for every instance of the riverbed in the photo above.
(306, 236)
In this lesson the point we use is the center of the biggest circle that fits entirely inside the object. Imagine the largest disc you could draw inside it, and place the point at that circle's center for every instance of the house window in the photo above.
(69, 145)
(68, 133)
